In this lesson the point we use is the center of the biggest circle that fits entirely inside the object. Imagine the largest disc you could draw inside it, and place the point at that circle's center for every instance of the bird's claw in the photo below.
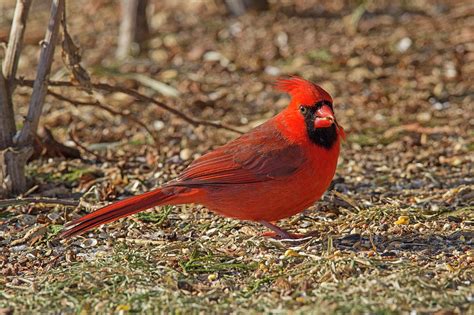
(289, 236)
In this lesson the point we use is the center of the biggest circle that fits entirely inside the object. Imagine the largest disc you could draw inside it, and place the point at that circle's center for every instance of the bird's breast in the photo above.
(279, 198)
(317, 175)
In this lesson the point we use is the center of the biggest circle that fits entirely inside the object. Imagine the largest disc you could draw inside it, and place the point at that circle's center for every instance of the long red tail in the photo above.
(116, 211)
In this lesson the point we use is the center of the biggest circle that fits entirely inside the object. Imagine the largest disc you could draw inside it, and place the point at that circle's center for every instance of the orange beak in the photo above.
(324, 117)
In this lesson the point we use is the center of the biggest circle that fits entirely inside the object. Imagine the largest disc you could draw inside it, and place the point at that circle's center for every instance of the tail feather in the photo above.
(116, 211)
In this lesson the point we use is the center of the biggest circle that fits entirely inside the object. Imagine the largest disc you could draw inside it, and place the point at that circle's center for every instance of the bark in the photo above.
(12, 161)
(134, 28)
(7, 118)
(12, 170)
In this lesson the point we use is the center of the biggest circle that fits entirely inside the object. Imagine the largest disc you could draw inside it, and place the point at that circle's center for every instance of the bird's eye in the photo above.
(303, 110)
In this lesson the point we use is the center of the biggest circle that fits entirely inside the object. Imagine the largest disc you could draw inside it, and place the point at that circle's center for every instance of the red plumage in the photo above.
(272, 172)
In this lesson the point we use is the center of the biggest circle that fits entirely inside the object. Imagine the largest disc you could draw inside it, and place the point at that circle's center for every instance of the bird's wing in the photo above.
(262, 154)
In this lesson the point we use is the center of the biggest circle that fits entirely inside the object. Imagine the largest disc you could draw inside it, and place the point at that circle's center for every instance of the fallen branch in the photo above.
(47, 201)
(138, 96)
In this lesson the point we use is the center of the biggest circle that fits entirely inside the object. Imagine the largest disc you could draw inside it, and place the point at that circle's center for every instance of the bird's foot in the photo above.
(279, 233)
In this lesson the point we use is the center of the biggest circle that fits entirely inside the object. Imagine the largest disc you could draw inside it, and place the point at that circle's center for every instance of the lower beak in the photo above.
(324, 117)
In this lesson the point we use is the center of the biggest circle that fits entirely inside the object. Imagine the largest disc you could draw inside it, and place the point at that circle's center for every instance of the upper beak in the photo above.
(324, 117)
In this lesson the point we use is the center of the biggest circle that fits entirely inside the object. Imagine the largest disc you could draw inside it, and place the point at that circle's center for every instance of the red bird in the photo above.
(276, 170)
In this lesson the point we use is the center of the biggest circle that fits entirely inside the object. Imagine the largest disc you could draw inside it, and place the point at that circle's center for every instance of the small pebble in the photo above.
(90, 242)
(404, 44)
(185, 154)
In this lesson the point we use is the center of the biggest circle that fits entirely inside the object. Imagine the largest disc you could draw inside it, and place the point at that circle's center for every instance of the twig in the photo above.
(106, 108)
(48, 201)
(109, 88)
(40, 86)
(139, 241)
(114, 89)
(18, 287)
(32, 233)
(72, 135)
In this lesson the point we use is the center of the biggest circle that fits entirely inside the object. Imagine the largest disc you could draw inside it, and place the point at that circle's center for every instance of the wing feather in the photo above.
(260, 155)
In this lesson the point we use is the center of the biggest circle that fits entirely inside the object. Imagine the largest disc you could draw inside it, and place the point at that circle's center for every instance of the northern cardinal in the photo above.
(274, 171)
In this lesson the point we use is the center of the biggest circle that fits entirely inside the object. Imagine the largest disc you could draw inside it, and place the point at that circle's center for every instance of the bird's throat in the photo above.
(323, 137)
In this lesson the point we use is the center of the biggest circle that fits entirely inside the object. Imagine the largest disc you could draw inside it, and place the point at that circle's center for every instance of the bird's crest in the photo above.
(305, 91)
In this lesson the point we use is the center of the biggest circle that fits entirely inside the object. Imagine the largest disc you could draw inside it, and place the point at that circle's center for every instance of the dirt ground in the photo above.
(393, 235)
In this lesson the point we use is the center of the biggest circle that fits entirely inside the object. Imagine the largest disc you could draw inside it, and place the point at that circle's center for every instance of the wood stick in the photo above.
(47, 201)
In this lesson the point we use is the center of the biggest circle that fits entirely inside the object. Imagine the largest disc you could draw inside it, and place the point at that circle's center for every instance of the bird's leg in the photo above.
(278, 231)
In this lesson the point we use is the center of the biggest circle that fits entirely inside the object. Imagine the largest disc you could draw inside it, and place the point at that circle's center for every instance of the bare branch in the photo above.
(98, 104)
(40, 86)
(15, 42)
(140, 97)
